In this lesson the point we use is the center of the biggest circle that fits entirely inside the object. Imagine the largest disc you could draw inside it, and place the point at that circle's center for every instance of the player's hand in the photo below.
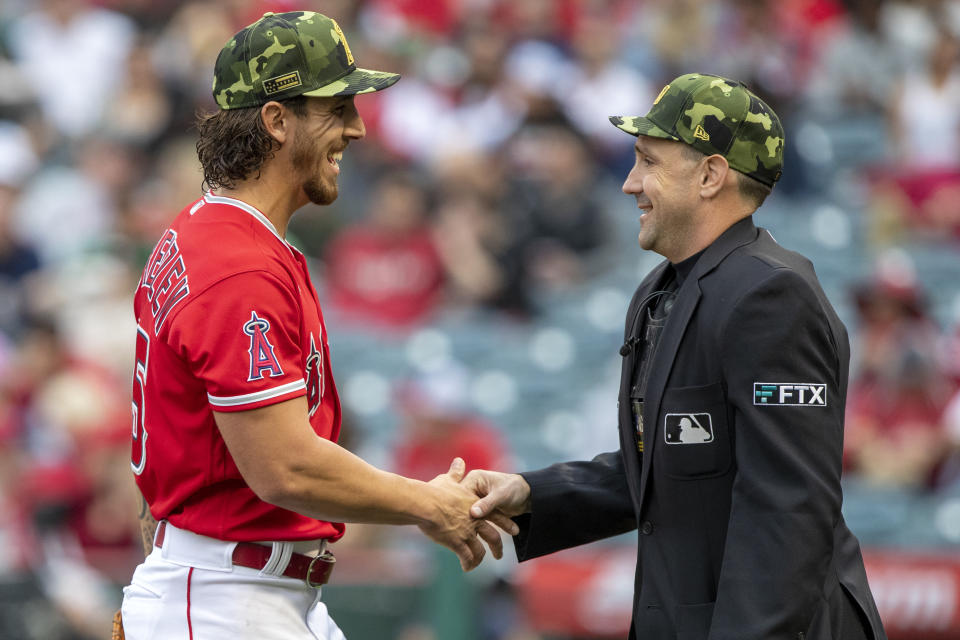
(454, 527)
(507, 493)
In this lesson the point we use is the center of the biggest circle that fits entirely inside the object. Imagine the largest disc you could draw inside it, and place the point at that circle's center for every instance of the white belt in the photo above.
(186, 548)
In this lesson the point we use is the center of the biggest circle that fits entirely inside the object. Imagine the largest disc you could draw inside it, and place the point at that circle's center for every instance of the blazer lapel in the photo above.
(646, 287)
(663, 358)
(628, 439)
(688, 296)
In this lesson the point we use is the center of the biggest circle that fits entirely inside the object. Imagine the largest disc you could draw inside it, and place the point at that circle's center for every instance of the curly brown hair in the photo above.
(234, 144)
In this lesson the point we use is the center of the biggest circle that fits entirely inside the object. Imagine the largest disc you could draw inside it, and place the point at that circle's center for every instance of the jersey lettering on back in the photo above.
(138, 458)
(165, 278)
(262, 357)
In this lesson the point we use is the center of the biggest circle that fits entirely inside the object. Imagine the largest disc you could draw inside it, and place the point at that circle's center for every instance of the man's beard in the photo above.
(318, 190)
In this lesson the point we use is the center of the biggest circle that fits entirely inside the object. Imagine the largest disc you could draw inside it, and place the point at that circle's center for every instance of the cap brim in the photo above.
(355, 82)
(640, 126)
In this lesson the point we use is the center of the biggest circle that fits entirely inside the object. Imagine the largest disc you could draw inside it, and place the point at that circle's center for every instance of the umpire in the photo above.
(731, 402)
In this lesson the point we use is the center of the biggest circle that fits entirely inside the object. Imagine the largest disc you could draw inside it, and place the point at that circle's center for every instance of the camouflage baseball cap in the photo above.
(282, 55)
(715, 115)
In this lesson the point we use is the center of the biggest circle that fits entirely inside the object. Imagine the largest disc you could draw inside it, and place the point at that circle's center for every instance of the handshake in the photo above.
(463, 510)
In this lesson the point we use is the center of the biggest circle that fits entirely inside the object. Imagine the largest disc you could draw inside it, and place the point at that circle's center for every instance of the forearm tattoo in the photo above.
(148, 526)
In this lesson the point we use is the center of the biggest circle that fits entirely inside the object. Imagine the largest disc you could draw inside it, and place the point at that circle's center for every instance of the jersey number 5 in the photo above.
(138, 458)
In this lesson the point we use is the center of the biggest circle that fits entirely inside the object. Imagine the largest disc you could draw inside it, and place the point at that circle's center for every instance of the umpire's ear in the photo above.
(713, 175)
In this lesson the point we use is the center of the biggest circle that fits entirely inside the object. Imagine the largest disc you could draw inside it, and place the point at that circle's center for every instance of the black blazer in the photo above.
(736, 497)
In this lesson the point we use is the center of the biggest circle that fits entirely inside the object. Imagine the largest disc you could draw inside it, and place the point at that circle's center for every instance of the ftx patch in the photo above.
(790, 394)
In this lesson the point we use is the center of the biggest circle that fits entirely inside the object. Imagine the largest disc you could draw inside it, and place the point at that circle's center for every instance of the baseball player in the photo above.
(235, 411)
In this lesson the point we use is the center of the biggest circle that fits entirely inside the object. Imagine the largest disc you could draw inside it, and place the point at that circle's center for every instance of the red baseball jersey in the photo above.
(227, 320)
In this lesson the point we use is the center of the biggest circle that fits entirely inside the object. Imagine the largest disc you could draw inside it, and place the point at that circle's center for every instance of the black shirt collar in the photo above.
(683, 268)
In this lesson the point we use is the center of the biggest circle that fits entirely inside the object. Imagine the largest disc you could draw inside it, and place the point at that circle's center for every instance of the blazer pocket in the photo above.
(693, 621)
(695, 438)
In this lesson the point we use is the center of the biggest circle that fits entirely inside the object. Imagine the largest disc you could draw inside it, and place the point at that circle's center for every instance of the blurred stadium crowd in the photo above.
(477, 264)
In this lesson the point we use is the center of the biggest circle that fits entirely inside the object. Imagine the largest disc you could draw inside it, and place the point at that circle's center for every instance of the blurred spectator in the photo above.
(855, 73)
(71, 490)
(438, 426)
(925, 114)
(762, 47)
(18, 155)
(411, 118)
(149, 204)
(428, 17)
(385, 271)
(487, 112)
(71, 53)
(538, 72)
(894, 434)
(911, 27)
(39, 355)
(552, 204)
(599, 84)
(682, 33)
(19, 268)
(544, 20)
(188, 46)
(483, 259)
(898, 390)
(892, 314)
(15, 544)
(475, 113)
(906, 205)
(949, 476)
(915, 194)
(68, 211)
(142, 110)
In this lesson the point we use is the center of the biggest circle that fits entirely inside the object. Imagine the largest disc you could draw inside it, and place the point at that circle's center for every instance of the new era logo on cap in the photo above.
(796, 394)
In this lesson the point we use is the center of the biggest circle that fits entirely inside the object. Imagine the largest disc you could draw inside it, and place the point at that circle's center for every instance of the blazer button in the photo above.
(646, 528)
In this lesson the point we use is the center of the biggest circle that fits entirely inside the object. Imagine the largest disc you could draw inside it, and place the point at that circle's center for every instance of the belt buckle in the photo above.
(327, 558)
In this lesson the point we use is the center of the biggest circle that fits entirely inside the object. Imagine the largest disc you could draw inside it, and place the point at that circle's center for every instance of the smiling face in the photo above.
(322, 134)
(664, 182)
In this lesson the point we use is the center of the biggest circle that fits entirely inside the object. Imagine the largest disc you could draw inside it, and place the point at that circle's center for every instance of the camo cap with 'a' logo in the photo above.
(282, 55)
(715, 115)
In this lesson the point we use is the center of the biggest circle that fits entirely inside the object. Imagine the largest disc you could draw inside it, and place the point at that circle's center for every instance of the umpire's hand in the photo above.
(454, 527)
(507, 493)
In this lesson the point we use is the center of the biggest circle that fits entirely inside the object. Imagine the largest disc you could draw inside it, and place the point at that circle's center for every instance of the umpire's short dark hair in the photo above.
(750, 189)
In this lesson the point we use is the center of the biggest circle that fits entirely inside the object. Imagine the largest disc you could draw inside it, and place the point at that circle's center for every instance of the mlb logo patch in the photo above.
(790, 394)
(687, 428)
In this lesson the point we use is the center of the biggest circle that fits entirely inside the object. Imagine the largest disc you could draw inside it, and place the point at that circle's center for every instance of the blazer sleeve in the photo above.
(786, 493)
(574, 503)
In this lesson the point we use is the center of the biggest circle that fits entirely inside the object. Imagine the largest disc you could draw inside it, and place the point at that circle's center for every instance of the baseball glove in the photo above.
(117, 633)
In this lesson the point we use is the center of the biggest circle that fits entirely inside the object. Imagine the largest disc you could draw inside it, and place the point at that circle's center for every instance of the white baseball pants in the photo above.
(190, 590)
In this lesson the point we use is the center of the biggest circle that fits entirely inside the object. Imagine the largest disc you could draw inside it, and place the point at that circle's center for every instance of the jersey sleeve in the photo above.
(241, 337)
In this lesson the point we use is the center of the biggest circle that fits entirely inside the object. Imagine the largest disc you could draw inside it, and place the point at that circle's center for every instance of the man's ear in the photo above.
(714, 174)
(276, 120)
